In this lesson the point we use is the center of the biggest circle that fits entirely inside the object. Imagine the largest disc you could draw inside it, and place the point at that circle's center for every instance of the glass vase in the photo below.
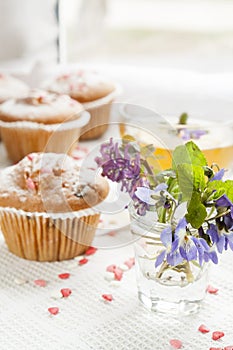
(166, 288)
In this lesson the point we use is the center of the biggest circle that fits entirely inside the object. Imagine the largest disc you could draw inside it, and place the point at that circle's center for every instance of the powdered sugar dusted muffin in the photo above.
(94, 91)
(41, 121)
(46, 207)
(11, 87)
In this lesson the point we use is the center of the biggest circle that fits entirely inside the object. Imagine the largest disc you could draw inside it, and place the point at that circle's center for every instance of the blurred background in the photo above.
(182, 34)
(186, 34)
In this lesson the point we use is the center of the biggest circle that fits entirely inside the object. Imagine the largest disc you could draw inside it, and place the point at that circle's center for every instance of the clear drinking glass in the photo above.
(214, 137)
(166, 288)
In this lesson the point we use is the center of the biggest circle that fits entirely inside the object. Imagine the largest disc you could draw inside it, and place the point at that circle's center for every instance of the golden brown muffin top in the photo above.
(49, 182)
(11, 87)
(42, 107)
(83, 86)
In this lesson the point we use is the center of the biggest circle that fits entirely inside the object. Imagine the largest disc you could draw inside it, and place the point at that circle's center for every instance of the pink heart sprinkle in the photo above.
(30, 156)
(203, 329)
(76, 157)
(66, 292)
(217, 335)
(40, 283)
(30, 184)
(91, 251)
(107, 297)
(83, 261)
(53, 310)
(112, 233)
(82, 149)
(216, 348)
(229, 347)
(176, 344)
(130, 263)
(64, 276)
(111, 268)
(118, 274)
(212, 290)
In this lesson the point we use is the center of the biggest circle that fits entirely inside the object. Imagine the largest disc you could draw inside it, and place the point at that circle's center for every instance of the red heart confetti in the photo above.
(53, 310)
(107, 297)
(229, 347)
(203, 329)
(64, 276)
(91, 251)
(111, 268)
(130, 263)
(217, 335)
(216, 348)
(176, 344)
(212, 290)
(66, 292)
(40, 283)
(83, 261)
(118, 274)
(30, 156)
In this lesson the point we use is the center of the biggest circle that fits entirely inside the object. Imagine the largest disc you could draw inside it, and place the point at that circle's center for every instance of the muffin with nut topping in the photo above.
(48, 207)
(41, 122)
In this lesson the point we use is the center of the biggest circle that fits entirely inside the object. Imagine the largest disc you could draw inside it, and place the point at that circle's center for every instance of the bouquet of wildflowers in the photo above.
(205, 228)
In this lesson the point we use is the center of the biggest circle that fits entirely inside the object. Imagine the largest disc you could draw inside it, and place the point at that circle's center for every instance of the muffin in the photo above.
(11, 88)
(96, 94)
(47, 208)
(41, 122)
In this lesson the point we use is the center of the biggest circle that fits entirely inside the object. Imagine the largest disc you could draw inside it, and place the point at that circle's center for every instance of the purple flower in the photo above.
(171, 254)
(187, 247)
(202, 248)
(182, 246)
(219, 175)
(223, 201)
(119, 166)
(211, 255)
(187, 134)
(152, 197)
(226, 221)
(220, 238)
(145, 193)
(190, 247)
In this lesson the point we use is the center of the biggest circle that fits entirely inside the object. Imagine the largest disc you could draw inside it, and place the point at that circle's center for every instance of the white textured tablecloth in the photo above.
(85, 321)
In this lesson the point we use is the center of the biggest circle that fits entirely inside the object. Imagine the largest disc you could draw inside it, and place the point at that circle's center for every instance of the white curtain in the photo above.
(29, 31)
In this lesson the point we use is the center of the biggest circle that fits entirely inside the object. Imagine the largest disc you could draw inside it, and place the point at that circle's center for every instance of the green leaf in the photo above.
(196, 211)
(229, 189)
(188, 153)
(221, 187)
(191, 179)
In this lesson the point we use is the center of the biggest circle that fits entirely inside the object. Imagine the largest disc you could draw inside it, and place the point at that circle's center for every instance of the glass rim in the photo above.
(168, 121)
